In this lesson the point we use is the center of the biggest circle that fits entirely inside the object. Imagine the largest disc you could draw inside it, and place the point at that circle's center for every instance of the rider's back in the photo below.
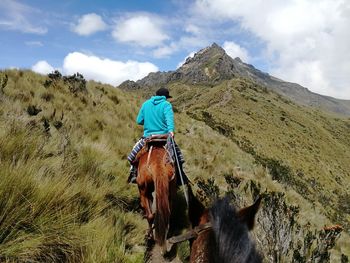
(157, 116)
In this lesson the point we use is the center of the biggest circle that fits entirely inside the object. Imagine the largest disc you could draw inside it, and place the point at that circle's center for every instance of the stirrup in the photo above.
(132, 177)
(132, 180)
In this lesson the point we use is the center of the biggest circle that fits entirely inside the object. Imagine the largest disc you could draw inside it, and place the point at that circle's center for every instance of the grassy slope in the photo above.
(67, 186)
(63, 194)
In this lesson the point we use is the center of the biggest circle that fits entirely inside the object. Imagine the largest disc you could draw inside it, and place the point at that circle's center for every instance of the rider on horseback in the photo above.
(157, 117)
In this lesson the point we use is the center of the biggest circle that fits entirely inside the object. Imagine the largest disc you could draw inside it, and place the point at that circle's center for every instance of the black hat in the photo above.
(163, 92)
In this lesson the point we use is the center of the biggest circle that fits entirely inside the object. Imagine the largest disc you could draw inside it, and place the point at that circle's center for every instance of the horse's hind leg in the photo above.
(146, 203)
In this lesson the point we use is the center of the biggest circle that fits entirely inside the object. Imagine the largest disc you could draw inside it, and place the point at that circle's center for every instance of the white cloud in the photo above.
(306, 41)
(34, 43)
(20, 17)
(106, 70)
(193, 42)
(234, 50)
(89, 24)
(42, 67)
(142, 30)
(165, 51)
(193, 29)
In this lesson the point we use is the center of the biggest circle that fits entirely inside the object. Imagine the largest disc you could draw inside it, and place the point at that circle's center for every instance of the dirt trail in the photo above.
(154, 255)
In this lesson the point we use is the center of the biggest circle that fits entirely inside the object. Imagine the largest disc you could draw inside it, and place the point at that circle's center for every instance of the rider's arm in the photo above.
(169, 117)
(140, 117)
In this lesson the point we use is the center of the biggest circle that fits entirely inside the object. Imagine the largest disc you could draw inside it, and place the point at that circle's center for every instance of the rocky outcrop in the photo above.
(209, 66)
(129, 85)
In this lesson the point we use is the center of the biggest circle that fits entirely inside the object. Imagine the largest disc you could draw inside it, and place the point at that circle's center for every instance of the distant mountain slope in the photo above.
(212, 65)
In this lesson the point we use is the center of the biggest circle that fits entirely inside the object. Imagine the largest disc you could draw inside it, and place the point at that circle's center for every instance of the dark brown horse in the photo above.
(156, 175)
(224, 238)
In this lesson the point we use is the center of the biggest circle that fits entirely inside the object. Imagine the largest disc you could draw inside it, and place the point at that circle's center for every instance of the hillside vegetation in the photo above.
(63, 168)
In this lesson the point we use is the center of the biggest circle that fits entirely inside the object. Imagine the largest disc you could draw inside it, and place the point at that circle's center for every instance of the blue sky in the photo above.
(302, 41)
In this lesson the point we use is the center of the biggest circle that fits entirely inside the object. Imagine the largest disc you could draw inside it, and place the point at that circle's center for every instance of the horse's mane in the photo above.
(231, 235)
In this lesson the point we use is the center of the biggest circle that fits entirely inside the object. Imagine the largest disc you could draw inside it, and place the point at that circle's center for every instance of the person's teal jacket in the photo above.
(157, 116)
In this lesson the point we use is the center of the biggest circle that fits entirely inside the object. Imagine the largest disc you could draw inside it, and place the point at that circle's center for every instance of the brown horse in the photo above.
(224, 237)
(156, 175)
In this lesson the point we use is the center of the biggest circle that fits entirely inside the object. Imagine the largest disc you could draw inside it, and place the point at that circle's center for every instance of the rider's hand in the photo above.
(171, 134)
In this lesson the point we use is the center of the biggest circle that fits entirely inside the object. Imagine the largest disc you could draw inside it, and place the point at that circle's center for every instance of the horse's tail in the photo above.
(162, 215)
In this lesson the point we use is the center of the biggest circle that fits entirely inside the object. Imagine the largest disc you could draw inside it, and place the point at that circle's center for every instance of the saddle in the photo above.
(157, 140)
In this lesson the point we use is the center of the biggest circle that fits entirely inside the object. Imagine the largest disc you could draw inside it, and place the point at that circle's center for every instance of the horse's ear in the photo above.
(247, 214)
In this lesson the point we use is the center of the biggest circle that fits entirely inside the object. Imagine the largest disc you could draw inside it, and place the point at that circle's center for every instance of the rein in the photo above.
(194, 233)
(180, 173)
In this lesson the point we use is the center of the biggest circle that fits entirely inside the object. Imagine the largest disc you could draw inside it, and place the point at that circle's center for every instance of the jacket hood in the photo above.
(157, 99)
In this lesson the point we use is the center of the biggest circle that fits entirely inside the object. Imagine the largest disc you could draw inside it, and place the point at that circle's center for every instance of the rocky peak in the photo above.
(214, 49)
(209, 65)
(205, 56)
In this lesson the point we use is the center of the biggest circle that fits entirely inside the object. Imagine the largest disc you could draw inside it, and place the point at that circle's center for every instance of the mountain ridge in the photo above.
(212, 65)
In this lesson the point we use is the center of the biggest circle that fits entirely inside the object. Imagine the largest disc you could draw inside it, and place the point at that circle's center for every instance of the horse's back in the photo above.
(155, 161)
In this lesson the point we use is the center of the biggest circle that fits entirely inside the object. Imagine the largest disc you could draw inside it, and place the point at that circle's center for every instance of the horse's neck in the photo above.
(202, 245)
